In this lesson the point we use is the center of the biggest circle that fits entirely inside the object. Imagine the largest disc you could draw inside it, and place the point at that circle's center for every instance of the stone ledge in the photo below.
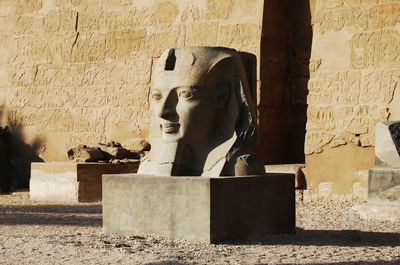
(296, 169)
(198, 208)
(70, 182)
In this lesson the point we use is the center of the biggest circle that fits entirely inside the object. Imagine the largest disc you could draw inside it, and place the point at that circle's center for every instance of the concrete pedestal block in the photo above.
(384, 186)
(70, 182)
(198, 208)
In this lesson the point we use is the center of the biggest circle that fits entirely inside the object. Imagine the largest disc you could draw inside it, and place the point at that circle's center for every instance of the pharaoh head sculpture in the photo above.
(203, 121)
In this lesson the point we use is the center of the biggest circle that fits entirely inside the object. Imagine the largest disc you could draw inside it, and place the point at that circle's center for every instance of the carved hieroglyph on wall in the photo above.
(352, 85)
(80, 71)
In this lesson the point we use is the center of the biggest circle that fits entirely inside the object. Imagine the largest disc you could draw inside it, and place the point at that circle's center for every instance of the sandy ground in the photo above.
(327, 233)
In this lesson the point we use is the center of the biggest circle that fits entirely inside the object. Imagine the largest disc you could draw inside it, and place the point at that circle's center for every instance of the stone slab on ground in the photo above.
(383, 196)
(384, 186)
(47, 233)
(379, 212)
(70, 182)
(198, 208)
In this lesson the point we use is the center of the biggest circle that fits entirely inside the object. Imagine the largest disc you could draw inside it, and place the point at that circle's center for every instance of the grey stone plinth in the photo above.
(387, 144)
(384, 186)
(198, 208)
(70, 182)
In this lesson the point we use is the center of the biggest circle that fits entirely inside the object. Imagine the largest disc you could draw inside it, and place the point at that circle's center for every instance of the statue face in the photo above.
(185, 108)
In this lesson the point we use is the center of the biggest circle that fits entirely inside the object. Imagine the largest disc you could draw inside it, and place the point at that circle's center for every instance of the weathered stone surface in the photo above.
(165, 13)
(353, 86)
(387, 144)
(204, 119)
(391, 194)
(372, 211)
(67, 182)
(198, 208)
(64, 60)
(334, 105)
(325, 190)
(136, 145)
(202, 34)
(341, 167)
(384, 53)
(384, 186)
(114, 150)
(82, 70)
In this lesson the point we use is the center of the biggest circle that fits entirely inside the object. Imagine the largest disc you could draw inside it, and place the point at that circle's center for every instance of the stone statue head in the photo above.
(202, 112)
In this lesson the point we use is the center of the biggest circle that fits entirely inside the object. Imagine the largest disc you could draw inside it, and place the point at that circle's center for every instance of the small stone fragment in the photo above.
(114, 150)
(85, 154)
(136, 145)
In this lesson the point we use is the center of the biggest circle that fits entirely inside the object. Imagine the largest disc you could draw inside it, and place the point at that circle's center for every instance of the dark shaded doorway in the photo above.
(284, 59)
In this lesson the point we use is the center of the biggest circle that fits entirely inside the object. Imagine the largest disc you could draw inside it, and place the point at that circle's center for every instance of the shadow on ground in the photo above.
(91, 215)
(351, 238)
(80, 215)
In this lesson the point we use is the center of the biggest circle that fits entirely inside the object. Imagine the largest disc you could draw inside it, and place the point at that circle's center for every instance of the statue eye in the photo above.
(156, 96)
(185, 94)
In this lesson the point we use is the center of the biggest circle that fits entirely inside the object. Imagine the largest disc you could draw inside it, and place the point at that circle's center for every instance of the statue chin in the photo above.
(196, 94)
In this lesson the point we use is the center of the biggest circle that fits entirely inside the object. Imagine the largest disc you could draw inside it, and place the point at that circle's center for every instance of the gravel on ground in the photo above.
(326, 233)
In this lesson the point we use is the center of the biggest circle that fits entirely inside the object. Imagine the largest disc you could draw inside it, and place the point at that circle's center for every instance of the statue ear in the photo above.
(223, 88)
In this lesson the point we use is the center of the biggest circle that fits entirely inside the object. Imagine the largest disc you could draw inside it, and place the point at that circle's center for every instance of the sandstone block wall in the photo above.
(354, 83)
(78, 72)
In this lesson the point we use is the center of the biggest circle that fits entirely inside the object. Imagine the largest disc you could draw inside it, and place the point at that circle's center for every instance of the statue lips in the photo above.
(170, 127)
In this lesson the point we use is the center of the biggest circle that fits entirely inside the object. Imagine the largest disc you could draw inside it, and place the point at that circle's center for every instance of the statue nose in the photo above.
(167, 109)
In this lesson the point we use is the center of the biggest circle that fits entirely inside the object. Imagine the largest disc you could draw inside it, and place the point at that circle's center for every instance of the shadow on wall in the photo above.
(19, 155)
(284, 74)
